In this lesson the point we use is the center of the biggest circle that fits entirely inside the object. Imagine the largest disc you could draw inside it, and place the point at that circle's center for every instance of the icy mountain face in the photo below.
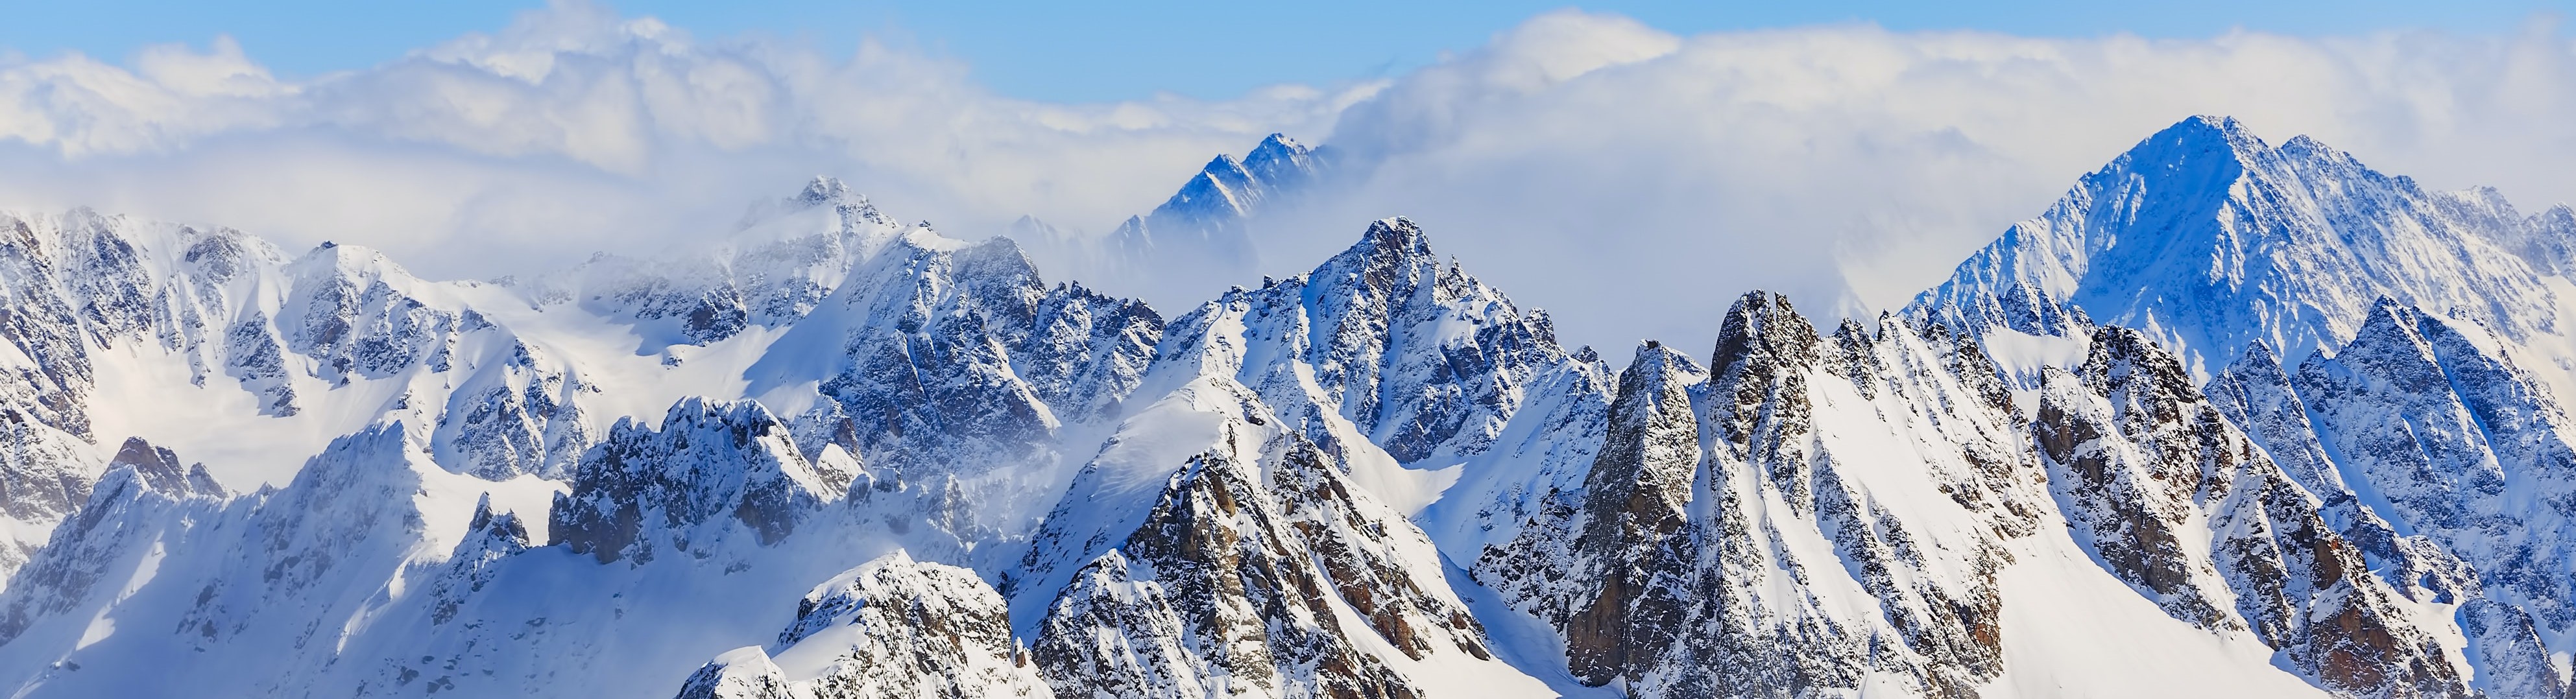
(520, 414)
(964, 345)
(890, 628)
(2208, 239)
(1742, 530)
(2437, 429)
(1202, 223)
(2181, 505)
(45, 473)
(510, 385)
(1198, 241)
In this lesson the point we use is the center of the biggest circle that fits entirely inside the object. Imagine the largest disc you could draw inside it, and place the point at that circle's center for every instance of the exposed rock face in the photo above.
(891, 628)
(2177, 502)
(490, 538)
(49, 369)
(1722, 520)
(644, 492)
(2257, 394)
(1381, 341)
(345, 313)
(1231, 588)
(2407, 421)
(2138, 508)
(1641, 490)
(160, 468)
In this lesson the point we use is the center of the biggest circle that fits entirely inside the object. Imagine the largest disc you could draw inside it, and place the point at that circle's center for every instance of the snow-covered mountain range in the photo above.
(2230, 419)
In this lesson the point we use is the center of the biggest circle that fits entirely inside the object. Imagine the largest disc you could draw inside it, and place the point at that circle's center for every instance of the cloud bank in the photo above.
(575, 130)
(1631, 180)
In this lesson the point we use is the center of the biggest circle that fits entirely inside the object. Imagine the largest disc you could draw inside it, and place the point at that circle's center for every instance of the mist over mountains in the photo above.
(1848, 166)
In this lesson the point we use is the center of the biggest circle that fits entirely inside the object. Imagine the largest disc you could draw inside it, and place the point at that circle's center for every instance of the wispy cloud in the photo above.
(576, 129)
(1630, 179)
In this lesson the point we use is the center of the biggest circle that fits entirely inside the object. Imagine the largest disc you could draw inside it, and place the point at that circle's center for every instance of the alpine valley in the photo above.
(2231, 418)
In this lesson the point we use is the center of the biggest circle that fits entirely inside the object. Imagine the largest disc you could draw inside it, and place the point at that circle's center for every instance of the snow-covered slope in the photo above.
(228, 349)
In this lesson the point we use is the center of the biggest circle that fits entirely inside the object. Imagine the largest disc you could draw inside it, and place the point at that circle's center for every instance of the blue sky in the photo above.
(1079, 52)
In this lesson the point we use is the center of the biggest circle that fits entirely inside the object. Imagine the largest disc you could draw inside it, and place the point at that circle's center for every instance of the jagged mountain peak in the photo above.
(1276, 144)
(783, 259)
(1198, 237)
(1386, 330)
(1654, 353)
(2391, 336)
(1395, 238)
(643, 488)
(1231, 187)
(160, 467)
(2207, 238)
(2197, 134)
(1761, 323)
(808, 212)
(1282, 161)
(2142, 463)
(2120, 355)
(828, 190)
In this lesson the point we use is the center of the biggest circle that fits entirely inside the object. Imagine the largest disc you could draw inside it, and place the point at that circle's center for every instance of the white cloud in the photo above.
(575, 130)
(1631, 180)
(1636, 182)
